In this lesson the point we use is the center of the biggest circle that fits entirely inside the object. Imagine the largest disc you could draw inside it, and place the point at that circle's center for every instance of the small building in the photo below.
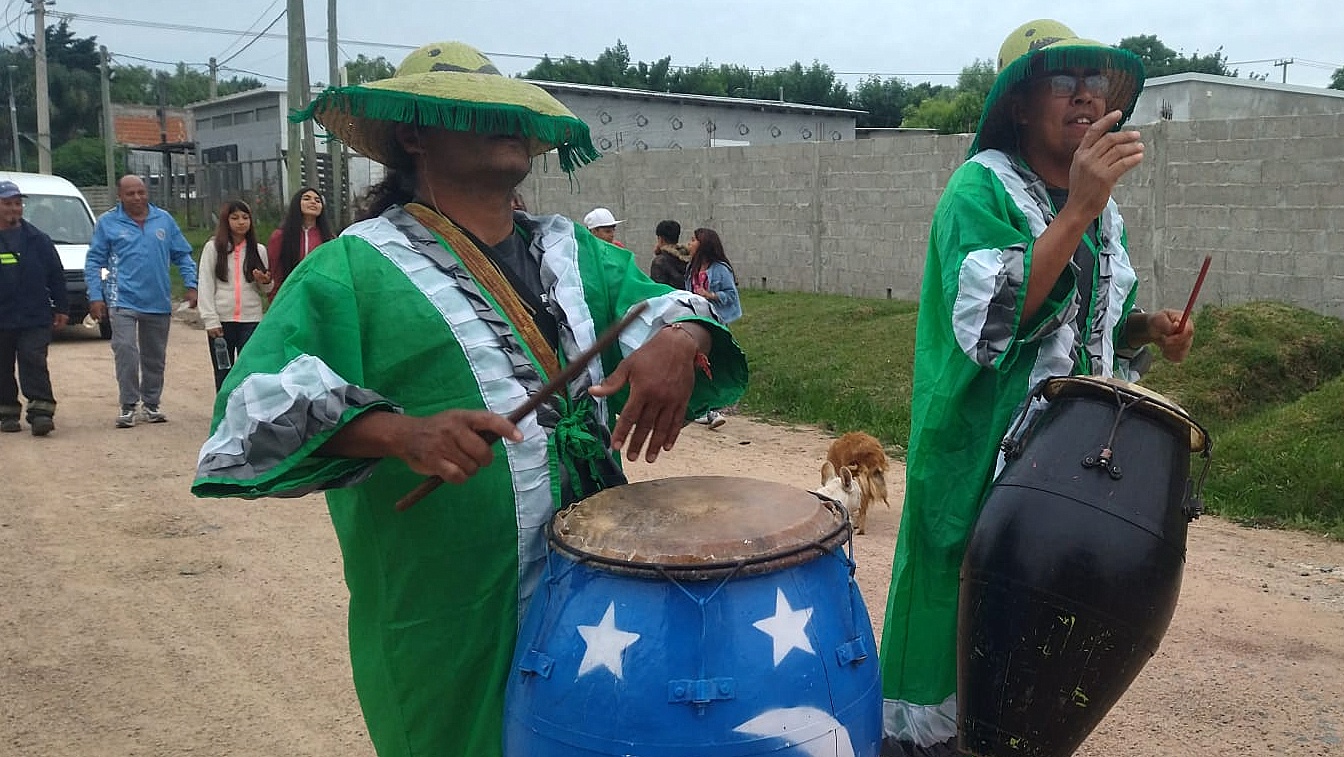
(1198, 97)
(158, 143)
(633, 119)
(242, 140)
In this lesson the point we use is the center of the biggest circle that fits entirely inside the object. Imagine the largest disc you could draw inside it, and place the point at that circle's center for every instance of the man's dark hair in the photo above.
(668, 231)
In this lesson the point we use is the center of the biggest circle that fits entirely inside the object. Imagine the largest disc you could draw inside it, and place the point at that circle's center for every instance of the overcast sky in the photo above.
(918, 41)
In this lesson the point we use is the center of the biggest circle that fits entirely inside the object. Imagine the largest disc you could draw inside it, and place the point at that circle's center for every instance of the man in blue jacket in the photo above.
(136, 242)
(32, 304)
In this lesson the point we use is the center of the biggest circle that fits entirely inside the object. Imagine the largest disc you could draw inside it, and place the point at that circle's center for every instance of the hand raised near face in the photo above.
(1102, 158)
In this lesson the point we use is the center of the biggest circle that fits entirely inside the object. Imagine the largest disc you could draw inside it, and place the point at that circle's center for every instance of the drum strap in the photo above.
(490, 278)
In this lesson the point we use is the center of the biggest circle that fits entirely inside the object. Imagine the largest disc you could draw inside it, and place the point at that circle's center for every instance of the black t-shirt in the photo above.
(523, 270)
(1083, 258)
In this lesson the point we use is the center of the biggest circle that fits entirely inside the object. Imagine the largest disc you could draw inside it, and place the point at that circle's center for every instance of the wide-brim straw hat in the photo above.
(1044, 45)
(449, 85)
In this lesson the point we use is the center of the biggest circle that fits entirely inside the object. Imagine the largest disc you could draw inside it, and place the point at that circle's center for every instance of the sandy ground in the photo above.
(137, 620)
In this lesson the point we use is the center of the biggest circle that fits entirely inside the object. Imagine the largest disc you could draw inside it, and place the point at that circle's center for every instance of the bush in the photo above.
(82, 161)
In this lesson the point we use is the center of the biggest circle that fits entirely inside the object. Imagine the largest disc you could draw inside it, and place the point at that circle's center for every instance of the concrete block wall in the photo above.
(1264, 197)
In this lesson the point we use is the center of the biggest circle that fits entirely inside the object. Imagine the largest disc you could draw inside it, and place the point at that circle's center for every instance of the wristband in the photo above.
(701, 359)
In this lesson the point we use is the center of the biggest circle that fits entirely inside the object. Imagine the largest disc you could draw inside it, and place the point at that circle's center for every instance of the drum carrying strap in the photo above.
(493, 280)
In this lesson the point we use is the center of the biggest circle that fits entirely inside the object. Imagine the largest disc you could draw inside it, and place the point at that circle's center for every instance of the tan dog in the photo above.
(855, 475)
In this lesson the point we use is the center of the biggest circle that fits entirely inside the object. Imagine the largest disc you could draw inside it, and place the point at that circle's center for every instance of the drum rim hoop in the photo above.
(779, 559)
(1055, 386)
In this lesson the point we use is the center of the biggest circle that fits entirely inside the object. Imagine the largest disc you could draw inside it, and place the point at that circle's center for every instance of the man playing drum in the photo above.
(1027, 277)
(391, 351)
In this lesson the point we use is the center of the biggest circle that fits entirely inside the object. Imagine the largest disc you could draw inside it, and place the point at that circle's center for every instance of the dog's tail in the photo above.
(872, 484)
(880, 487)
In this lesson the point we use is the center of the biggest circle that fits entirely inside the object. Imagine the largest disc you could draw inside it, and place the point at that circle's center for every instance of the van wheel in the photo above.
(105, 329)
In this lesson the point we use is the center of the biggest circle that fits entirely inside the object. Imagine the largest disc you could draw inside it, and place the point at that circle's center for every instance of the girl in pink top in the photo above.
(305, 227)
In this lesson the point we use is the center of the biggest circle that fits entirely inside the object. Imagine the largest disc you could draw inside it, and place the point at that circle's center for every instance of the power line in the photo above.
(260, 17)
(216, 30)
(250, 73)
(253, 41)
(159, 62)
(9, 23)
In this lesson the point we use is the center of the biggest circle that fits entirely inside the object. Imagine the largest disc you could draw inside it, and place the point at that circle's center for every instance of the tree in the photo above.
(82, 161)
(1160, 60)
(1337, 79)
(815, 84)
(950, 112)
(365, 69)
(138, 85)
(977, 78)
(956, 110)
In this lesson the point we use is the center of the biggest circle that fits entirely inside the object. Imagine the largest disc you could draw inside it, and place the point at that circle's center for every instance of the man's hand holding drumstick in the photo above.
(454, 444)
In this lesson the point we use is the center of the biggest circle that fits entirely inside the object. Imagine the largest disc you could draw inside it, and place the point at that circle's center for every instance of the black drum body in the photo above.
(1073, 569)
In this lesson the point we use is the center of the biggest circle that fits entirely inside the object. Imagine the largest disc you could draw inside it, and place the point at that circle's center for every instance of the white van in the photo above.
(56, 206)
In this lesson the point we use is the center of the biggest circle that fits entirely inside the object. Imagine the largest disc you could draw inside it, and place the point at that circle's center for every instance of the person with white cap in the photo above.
(32, 305)
(602, 223)
(1027, 276)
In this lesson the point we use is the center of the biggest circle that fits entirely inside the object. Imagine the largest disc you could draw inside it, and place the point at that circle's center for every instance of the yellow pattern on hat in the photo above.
(1045, 45)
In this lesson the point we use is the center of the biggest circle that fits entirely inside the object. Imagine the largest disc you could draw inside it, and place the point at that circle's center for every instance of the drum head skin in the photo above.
(699, 527)
(1154, 403)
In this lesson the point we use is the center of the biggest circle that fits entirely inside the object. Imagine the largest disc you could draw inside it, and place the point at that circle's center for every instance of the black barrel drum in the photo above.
(1073, 569)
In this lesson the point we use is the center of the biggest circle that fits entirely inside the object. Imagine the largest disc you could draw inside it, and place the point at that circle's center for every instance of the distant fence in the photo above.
(195, 198)
(1264, 196)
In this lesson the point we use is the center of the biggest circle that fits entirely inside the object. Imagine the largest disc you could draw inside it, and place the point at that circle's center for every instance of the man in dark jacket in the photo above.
(32, 305)
(669, 258)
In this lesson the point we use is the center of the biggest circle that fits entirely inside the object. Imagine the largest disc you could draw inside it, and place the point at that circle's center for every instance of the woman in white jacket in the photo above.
(233, 286)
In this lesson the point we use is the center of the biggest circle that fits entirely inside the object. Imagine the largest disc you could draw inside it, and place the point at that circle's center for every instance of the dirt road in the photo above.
(137, 620)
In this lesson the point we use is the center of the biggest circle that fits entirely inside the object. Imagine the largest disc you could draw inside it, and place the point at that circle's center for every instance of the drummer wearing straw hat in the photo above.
(394, 347)
(1027, 277)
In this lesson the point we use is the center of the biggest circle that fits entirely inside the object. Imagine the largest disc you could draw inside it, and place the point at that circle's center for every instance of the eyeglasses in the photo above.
(1066, 85)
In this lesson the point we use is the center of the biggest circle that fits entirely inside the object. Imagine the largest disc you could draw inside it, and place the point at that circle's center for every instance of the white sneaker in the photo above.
(127, 417)
(703, 420)
(152, 414)
(715, 419)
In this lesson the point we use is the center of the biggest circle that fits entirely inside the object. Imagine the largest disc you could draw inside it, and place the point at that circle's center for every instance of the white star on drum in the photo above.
(787, 628)
(605, 644)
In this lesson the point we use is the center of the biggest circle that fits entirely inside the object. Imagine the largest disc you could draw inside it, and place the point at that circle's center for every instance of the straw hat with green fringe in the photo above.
(1044, 45)
(448, 85)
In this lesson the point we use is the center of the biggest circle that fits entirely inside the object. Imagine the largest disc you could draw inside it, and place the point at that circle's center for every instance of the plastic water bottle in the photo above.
(222, 360)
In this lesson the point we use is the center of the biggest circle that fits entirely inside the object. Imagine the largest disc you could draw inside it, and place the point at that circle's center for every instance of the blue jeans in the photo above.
(140, 351)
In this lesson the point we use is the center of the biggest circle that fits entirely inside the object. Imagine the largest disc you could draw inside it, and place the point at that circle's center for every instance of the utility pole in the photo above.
(298, 46)
(309, 140)
(109, 124)
(214, 79)
(1285, 63)
(166, 164)
(335, 150)
(43, 100)
(14, 121)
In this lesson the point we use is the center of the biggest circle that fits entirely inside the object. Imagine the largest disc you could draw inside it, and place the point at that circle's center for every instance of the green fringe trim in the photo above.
(569, 135)
(1106, 58)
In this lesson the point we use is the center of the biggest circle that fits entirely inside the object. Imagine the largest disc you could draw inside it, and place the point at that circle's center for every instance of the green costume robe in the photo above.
(386, 317)
(976, 360)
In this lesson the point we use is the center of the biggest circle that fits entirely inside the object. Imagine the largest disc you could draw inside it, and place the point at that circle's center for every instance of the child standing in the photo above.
(234, 286)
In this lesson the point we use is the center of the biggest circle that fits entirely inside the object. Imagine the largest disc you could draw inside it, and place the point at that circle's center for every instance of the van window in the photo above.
(65, 219)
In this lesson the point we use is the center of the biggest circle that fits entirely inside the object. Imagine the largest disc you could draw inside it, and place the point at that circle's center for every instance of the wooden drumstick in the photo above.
(556, 384)
(1199, 282)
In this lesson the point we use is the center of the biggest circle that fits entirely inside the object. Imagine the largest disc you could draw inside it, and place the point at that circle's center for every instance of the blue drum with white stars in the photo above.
(707, 616)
